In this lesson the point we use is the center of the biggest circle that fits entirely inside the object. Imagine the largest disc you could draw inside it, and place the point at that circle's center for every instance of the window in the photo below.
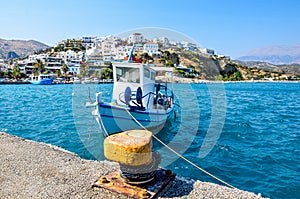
(152, 75)
(146, 73)
(128, 74)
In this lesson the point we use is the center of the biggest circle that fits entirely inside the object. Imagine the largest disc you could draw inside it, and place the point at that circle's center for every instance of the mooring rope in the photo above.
(179, 155)
(101, 122)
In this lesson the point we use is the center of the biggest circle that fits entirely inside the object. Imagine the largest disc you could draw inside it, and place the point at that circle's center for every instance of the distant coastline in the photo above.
(180, 80)
(183, 80)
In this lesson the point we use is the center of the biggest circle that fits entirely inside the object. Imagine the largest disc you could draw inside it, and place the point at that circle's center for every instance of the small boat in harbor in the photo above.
(59, 81)
(137, 101)
(42, 79)
(95, 80)
(86, 80)
(76, 80)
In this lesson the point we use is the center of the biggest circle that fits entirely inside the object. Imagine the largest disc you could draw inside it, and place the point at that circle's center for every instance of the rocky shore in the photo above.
(37, 170)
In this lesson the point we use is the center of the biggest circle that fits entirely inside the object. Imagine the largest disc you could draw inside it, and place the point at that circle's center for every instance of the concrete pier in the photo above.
(36, 170)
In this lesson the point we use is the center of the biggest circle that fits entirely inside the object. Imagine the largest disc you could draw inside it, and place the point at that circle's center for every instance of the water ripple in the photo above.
(258, 150)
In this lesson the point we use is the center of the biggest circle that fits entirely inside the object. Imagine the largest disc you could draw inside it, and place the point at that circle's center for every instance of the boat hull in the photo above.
(117, 119)
(42, 82)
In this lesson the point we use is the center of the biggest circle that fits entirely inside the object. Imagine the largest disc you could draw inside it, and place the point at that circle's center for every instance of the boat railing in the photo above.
(159, 98)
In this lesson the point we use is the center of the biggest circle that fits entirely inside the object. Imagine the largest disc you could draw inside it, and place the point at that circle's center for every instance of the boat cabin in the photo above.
(132, 80)
(40, 77)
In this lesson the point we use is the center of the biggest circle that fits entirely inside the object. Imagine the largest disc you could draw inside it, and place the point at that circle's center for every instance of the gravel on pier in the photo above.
(37, 170)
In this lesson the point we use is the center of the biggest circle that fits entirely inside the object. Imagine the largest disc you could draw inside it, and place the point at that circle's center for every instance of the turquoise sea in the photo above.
(247, 134)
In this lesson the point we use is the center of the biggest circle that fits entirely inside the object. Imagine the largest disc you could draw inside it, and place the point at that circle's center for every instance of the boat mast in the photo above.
(131, 53)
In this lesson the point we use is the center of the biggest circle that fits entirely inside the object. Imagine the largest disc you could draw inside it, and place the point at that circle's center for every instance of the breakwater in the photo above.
(37, 170)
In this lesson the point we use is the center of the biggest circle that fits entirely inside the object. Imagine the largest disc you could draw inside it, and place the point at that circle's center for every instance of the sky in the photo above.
(230, 27)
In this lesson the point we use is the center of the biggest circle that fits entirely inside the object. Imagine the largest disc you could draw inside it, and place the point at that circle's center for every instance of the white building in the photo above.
(69, 55)
(207, 51)
(108, 50)
(89, 41)
(74, 66)
(54, 63)
(122, 52)
(163, 40)
(3, 66)
(42, 57)
(136, 38)
(151, 48)
(173, 43)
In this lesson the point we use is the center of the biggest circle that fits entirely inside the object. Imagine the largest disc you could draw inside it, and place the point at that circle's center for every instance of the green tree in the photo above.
(174, 58)
(65, 68)
(16, 73)
(106, 73)
(84, 70)
(145, 58)
(237, 76)
(218, 77)
(58, 73)
(39, 67)
(8, 74)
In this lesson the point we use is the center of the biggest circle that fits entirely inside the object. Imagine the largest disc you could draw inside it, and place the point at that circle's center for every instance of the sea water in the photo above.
(247, 134)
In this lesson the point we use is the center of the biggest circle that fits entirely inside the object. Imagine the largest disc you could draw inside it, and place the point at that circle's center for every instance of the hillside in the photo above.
(283, 68)
(207, 66)
(10, 49)
(274, 54)
(222, 68)
(189, 64)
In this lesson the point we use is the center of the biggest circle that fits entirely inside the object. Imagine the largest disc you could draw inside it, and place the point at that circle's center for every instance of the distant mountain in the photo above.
(274, 54)
(19, 48)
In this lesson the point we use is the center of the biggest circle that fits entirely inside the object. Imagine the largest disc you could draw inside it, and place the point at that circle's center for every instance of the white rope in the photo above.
(179, 155)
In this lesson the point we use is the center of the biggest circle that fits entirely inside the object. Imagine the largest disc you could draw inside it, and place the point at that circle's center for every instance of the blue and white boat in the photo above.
(137, 101)
(41, 79)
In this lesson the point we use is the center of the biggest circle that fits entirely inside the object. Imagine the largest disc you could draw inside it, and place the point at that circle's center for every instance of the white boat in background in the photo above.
(95, 80)
(76, 80)
(137, 101)
(41, 79)
(59, 80)
(86, 80)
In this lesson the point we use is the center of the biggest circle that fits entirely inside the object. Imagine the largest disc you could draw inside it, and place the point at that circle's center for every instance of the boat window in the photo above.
(125, 74)
(152, 75)
(146, 73)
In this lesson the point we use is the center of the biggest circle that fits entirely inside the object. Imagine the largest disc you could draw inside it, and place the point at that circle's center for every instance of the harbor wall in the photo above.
(37, 170)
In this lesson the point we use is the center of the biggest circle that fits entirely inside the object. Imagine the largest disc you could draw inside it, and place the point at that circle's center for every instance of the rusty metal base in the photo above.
(153, 189)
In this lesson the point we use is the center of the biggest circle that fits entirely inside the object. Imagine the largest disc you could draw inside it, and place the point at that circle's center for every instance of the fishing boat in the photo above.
(137, 101)
(41, 79)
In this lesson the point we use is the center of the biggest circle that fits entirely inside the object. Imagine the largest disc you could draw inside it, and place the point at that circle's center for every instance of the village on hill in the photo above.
(91, 57)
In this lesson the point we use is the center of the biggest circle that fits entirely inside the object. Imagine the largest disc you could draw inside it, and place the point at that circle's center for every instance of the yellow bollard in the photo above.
(139, 175)
(131, 148)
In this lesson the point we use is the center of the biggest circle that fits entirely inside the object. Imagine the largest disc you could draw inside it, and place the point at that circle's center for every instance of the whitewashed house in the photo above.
(122, 52)
(207, 51)
(68, 55)
(89, 42)
(151, 48)
(74, 67)
(42, 57)
(136, 38)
